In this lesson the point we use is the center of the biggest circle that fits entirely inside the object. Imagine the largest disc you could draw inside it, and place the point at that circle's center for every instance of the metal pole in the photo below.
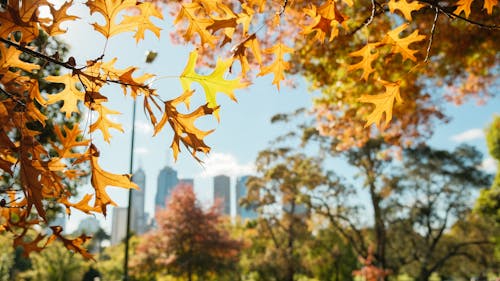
(131, 167)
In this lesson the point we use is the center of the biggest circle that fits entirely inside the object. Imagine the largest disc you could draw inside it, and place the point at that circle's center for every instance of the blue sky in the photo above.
(244, 128)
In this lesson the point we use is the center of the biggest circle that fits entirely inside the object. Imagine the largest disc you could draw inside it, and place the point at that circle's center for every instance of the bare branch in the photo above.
(433, 30)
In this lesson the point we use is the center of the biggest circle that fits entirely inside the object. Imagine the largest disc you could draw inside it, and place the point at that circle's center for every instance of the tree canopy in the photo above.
(387, 44)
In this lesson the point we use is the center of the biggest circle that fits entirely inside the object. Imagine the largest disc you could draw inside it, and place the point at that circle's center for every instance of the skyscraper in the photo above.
(138, 218)
(247, 212)
(118, 225)
(222, 193)
(167, 180)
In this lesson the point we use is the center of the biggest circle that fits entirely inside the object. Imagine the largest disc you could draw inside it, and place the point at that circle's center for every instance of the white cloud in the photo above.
(144, 127)
(489, 165)
(141, 150)
(469, 135)
(222, 163)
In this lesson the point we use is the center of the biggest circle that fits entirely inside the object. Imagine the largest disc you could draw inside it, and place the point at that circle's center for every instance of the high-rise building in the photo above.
(89, 225)
(118, 225)
(167, 180)
(222, 193)
(138, 218)
(244, 212)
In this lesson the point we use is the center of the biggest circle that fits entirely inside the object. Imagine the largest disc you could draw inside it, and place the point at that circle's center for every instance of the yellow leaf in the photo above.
(279, 65)
(368, 54)
(70, 95)
(213, 83)
(103, 123)
(404, 7)
(101, 179)
(402, 45)
(383, 103)
(463, 5)
(142, 21)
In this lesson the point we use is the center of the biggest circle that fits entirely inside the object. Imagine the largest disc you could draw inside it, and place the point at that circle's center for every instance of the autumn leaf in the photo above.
(103, 123)
(70, 95)
(463, 5)
(488, 5)
(68, 141)
(402, 45)
(142, 21)
(404, 7)
(110, 9)
(383, 103)
(82, 205)
(279, 65)
(213, 83)
(183, 126)
(76, 245)
(189, 11)
(101, 179)
(59, 16)
(369, 54)
(9, 57)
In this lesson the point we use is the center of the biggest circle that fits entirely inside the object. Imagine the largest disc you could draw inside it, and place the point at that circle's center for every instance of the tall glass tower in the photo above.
(167, 180)
(137, 214)
(222, 193)
(241, 192)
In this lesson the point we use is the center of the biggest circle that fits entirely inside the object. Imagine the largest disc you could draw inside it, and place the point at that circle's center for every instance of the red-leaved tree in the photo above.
(189, 241)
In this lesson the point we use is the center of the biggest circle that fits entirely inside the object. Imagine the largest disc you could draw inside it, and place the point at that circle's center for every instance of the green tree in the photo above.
(488, 202)
(280, 192)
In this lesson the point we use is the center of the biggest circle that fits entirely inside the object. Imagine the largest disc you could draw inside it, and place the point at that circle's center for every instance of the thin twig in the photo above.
(282, 10)
(14, 98)
(372, 16)
(433, 30)
(367, 21)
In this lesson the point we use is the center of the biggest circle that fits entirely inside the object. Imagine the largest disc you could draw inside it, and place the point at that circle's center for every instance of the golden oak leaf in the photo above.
(68, 141)
(9, 57)
(58, 16)
(402, 45)
(463, 5)
(110, 9)
(279, 65)
(75, 245)
(136, 85)
(101, 179)
(189, 11)
(245, 17)
(70, 95)
(404, 7)
(142, 21)
(183, 126)
(368, 54)
(239, 52)
(383, 103)
(329, 11)
(82, 205)
(213, 83)
(488, 5)
(103, 123)
(15, 18)
(320, 25)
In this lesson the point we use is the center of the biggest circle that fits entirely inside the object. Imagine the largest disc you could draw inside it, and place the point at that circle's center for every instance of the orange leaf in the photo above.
(463, 5)
(383, 103)
(103, 123)
(279, 65)
(404, 7)
(488, 5)
(189, 11)
(101, 179)
(183, 126)
(368, 54)
(58, 16)
(70, 95)
(110, 9)
(142, 22)
(402, 45)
